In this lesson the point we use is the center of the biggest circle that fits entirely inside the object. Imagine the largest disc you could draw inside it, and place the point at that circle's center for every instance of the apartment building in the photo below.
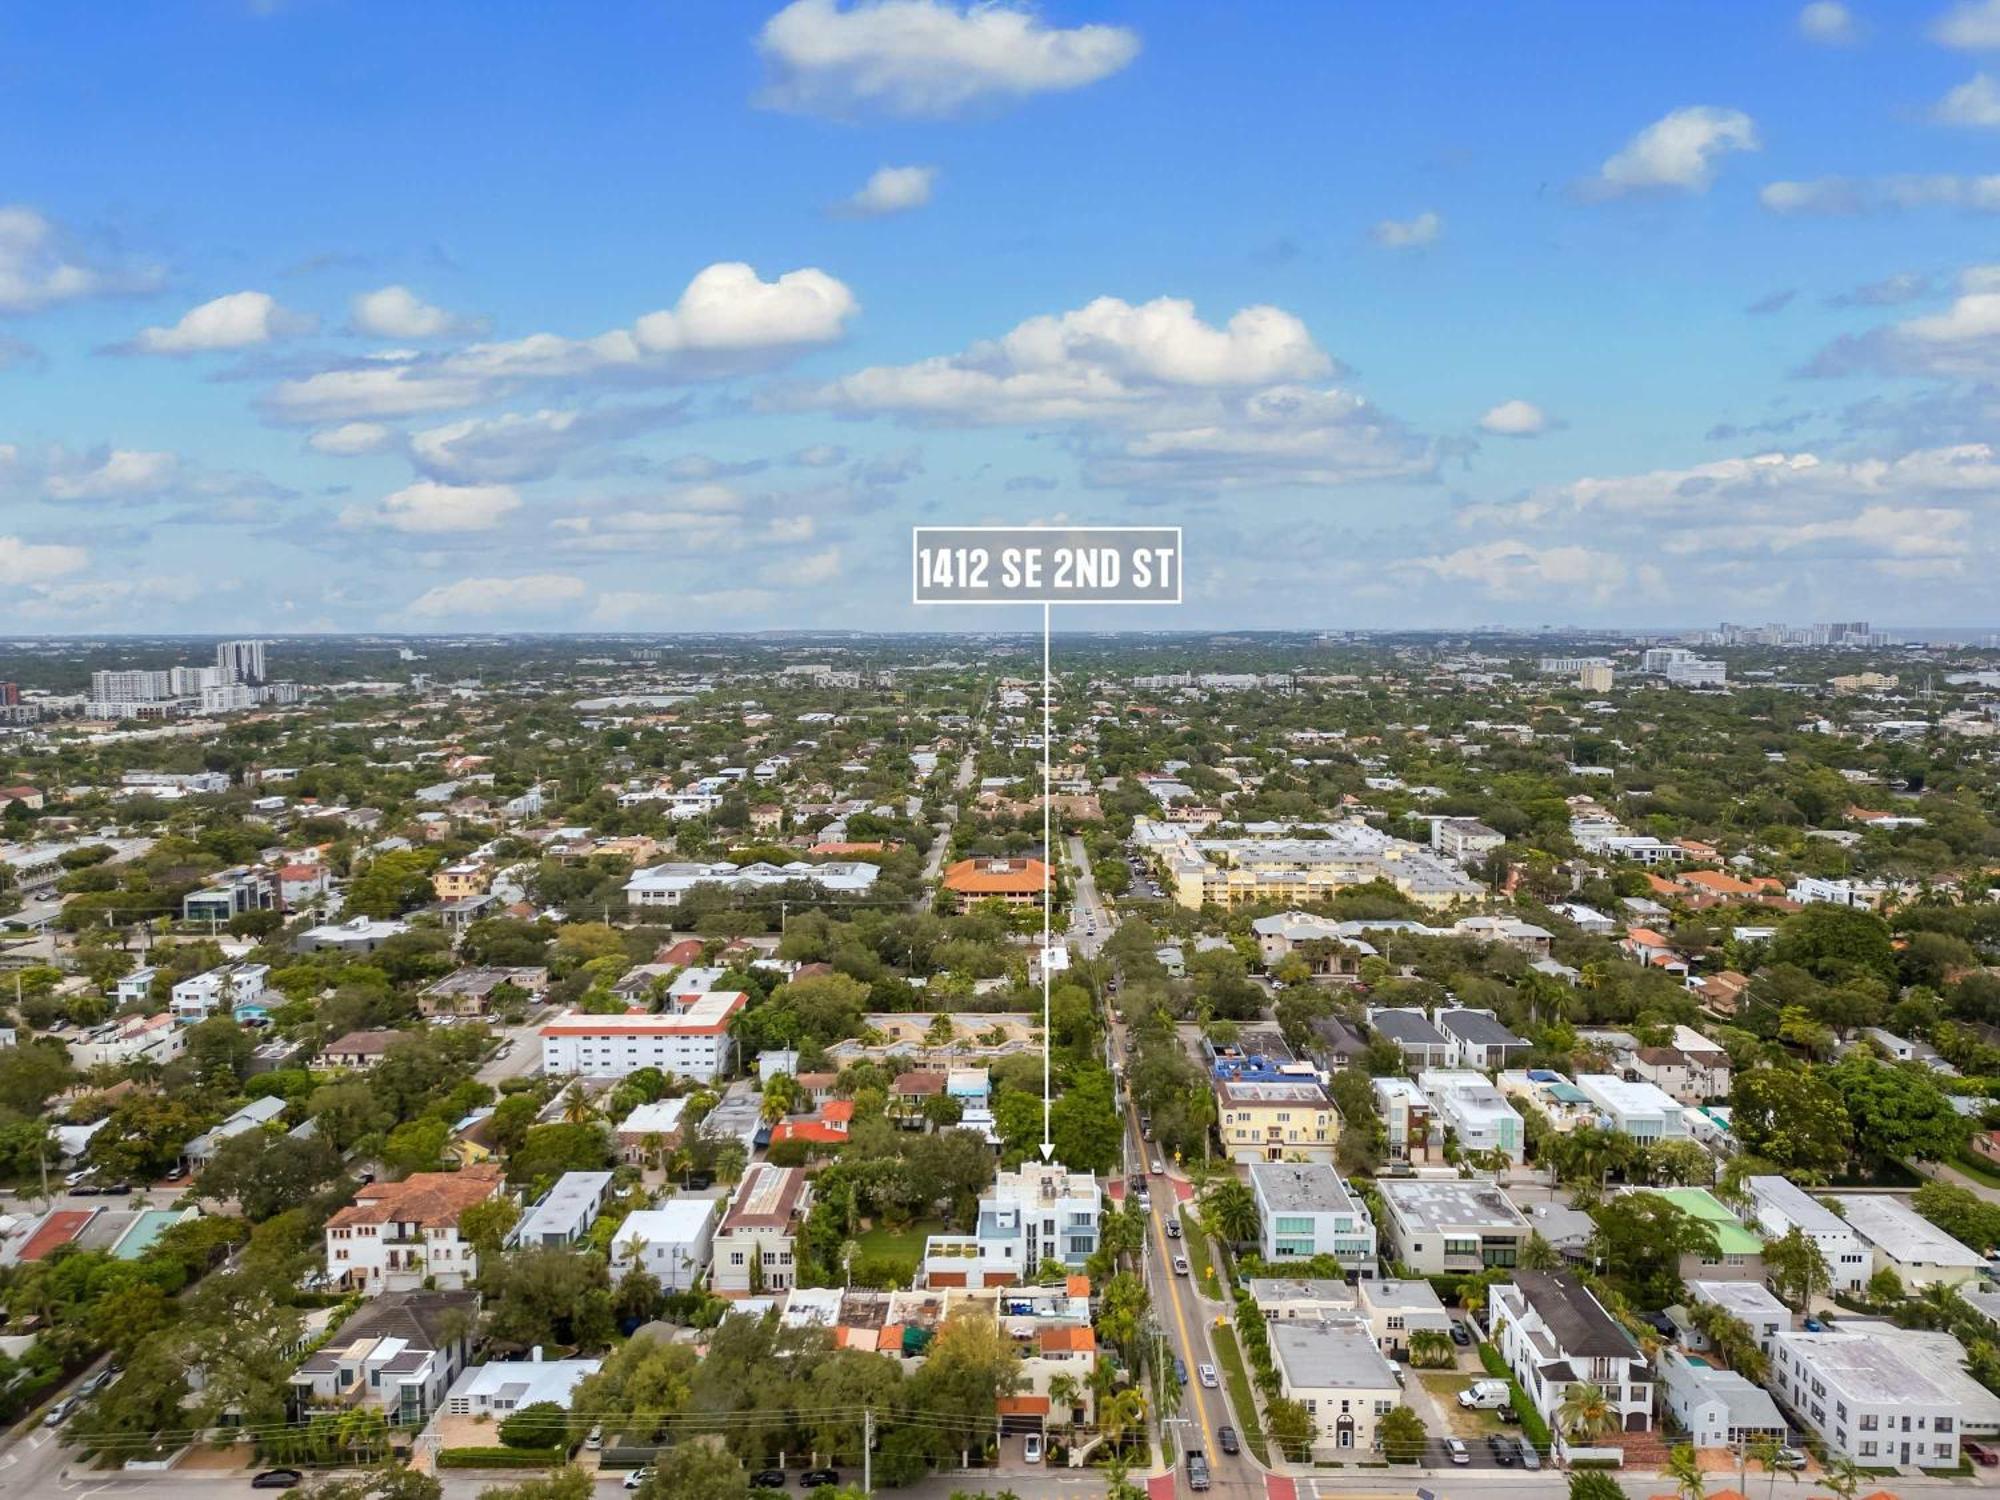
(1299, 871)
(692, 1043)
(1305, 1210)
(1464, 839)
(666, 885)
(1276, 1121)
(1903, 1241)
(1780, 1206)
(754, 1243)
(1867, 1398)
(1037, 1213)
(1738, 1253)
(1749, 1302)
(1017, 881)
(1554, 1335)
(227, 987)
(1341, 1378)
(1451, 1225)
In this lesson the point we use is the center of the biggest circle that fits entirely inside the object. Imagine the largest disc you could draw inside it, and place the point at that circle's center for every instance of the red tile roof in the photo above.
(431, 1199)
(57, 1230)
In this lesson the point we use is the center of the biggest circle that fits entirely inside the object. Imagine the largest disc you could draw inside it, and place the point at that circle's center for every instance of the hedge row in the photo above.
(1531, 1420)
(502, 1458)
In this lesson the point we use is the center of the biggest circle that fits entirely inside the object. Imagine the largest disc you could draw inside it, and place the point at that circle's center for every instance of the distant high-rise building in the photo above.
(133, 686)
(191, 682)
(240, 661)
(10, 694)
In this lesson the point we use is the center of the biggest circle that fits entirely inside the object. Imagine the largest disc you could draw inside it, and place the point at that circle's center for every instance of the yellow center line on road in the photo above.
(1173, 1296)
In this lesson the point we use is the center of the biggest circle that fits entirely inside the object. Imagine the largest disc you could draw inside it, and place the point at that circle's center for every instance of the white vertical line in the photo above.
(1048, 872)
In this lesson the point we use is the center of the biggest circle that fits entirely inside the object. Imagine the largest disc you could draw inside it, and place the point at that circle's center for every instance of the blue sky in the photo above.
(329, 316)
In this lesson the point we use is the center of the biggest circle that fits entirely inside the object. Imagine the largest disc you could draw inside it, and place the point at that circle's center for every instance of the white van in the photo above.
(1485, 1395)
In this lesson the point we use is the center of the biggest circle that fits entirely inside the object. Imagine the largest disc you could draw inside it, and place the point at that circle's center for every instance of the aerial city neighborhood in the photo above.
(639, 1062)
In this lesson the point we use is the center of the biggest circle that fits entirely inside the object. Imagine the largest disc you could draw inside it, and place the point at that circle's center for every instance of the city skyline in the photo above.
(319, 317)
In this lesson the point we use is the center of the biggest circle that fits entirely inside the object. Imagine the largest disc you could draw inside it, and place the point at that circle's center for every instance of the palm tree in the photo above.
(1120, 1414)
(1430, 1349)
(1765, 1451)
(1584, 1412)
(1842, 1477)
(1684, 1469)
(577, 1108)
(1230, 1211)
(1063, 1393)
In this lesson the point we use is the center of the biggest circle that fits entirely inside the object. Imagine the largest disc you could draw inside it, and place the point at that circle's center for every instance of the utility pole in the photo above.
(868, 1451)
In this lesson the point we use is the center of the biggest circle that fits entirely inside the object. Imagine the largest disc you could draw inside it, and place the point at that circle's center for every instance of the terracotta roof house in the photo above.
(395, 1235)
(828, 1128)
(358, 1049)
(1017, 881)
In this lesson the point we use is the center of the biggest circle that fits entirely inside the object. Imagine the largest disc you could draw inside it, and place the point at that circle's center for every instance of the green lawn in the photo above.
(1200, 1261)
(905, 1244)
(1976, 1169)
(1249, 1426)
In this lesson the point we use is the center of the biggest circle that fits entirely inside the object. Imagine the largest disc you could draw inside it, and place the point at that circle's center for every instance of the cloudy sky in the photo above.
(677, 314)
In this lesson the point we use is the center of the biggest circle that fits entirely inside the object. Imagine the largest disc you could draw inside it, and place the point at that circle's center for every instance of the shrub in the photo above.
(542, 1424)
(501, 1458)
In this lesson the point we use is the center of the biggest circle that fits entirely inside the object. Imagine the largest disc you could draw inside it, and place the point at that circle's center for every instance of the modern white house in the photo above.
(1641, 1110)
(499, 1389)
(673, 1242)
(1750, 1303)
(1554, 1334)
(1475, 1112)
(1904, 1241)
(1341, 1378)
(1039, 1212)
(153, 1039)
(565, 1215)
(398, 1353)
(1407, 1116)
(1304, 1210)
(1459, 1224)
(1476, 1039)
(1780, 1206)
(226, 987)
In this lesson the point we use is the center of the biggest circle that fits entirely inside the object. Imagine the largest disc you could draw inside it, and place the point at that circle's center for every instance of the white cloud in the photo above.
(1974, 104)
(1409, 234)
(1165, 398)
(1828, 23)
(116, 474)
(473, 598)
(1677, 153)
(352, 439)
(427, 508)
(820, 456)
(26, 563)
(1515, 419)
(803, 572)
(396, 312)
(728, 308)
(728, 321)
(892, 190)
(926, 57)
(1860, 195)
(526, 445)
(1511, 568)
(1962, 342)
(1972, 26)
(39, 266)
(240, 320)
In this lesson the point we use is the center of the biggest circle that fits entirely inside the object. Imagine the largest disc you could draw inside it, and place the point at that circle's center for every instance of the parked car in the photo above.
(277, 1479)
(1501, 1449)
(1790, 1458)
(819, 1479)
(1460, 1337)
(1226, 1436)
(595, 1440)
(1207, 1376)
(1530, 1459)
(1980, 1454)
(638, 1477)
(1456, 1451)
(1031, 1450)
(768, 1479)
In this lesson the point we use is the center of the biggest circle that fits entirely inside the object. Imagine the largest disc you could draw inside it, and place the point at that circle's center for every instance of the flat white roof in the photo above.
(1902, 1233)
(1627, 1098)
(1798, 1206)
(680, 1221)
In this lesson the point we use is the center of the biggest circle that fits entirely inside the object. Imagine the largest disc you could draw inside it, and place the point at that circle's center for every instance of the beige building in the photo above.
(1291, 1121)
(754, 1243)
(1335, 1371)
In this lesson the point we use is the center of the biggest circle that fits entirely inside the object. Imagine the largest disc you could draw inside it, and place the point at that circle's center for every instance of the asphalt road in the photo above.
(1089, 918)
